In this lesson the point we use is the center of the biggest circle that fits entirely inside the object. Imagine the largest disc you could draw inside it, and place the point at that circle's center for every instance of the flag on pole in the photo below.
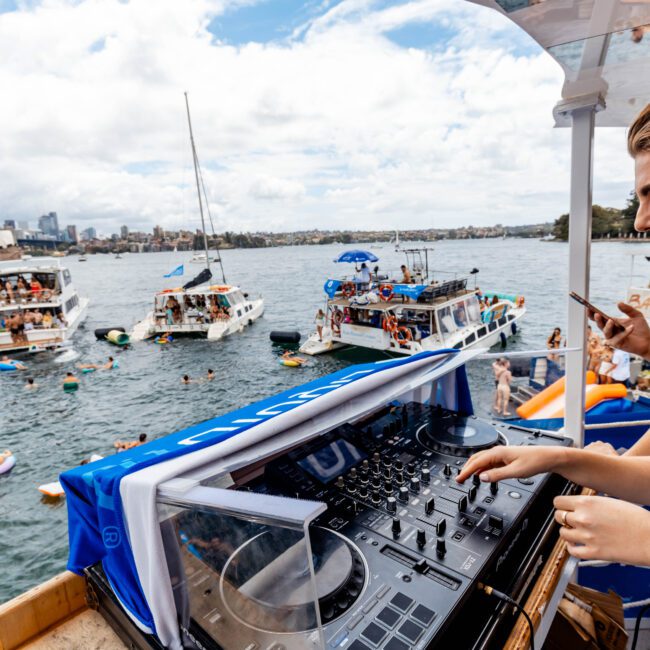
(177, 271)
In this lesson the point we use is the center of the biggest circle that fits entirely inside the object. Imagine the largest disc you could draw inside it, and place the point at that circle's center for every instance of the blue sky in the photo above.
(420, 113)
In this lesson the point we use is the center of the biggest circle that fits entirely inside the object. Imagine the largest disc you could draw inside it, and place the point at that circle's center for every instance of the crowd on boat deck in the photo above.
(40, 287)
(195, 308)
(22, 321)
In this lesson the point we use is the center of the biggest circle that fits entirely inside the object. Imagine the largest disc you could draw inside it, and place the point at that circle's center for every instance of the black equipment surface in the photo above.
(398, 553)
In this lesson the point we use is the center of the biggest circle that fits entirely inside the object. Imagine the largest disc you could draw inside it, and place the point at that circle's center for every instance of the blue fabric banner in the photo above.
(412, 291)
(179, 270)
(96, 526)
(331, 287)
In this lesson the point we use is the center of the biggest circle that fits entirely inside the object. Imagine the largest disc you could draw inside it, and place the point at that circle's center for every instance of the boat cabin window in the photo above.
(67, 278)
(460, 314)
(473, 309)
(446, 320)
(71, 303)
(28, 287)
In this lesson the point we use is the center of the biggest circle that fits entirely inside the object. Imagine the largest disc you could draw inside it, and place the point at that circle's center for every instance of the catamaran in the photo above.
(408, 318)
(199, 308)
(39, 307)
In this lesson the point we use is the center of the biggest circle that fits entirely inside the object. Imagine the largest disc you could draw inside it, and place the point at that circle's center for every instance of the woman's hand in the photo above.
(631, 334)
(600, 447)
(503, 462)
(601, 528)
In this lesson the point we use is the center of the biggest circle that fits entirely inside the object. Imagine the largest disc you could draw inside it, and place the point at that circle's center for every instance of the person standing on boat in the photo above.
(363, 275)
(503, 389)
(320, 323)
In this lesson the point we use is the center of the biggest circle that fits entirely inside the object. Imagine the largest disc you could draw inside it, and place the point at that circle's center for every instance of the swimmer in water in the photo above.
(70, 381)
(31, 385)
(16, 364)
(186, 379)
(210, 375)
(123, 446)
(109, 365)
(287, 355)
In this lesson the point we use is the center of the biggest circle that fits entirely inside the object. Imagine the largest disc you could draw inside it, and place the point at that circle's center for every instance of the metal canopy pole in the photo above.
(582, 115)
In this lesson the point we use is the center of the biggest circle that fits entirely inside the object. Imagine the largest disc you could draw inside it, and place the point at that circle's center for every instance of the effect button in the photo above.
(395, 644)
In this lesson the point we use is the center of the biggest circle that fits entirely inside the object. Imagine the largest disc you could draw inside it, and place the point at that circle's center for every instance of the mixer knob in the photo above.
(410, 469)
(391, 505)
(388, 487)
(352, 488)
(429, 506)
(476, 480)
(363, 479)
(403, 494)
(363, 491)
(425, 476)
(425, 463)
(421, 537)
(399, 478)
(387, 474)
(340, 482)
(376, 497)
(353, 473)
(415, 485)
(376, 482)
(462, 504)
(441, 527)
(396, 527)
(398, 465)
(365, 464)
(441, 548)
(376, 458)
(494, 487)
(388, 463)
(447, 470)
(472, 493)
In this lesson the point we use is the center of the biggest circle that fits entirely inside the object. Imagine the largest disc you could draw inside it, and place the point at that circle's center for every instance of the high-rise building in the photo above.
(49, 224)
(72, 233)
(124, 232)
(88, 234)
(158, 232)
(10, 223)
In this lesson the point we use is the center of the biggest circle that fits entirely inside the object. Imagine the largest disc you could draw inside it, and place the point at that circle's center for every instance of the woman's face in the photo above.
(642, 188)
(556, 331)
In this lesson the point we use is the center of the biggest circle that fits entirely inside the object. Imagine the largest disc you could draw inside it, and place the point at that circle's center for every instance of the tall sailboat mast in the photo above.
(198, 186)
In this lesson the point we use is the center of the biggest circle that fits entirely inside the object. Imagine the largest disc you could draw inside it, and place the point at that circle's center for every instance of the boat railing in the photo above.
(32, 300)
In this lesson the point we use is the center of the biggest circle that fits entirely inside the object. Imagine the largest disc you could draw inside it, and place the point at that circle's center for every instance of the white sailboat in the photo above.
(200, 308)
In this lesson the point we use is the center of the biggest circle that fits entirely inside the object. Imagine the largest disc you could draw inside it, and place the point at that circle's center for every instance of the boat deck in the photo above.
(397, 302)
(41, 343)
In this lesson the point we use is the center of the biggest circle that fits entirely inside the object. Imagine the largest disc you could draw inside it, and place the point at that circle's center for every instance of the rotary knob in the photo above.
(387, 473)
(391, 505)
(365, 464)
(352, 489)
(340, 482)
(376, 458)
(441, 548)
(363, 491)
(376, 482)
(425, 475)
(403, 494)
(388, 487)
(363, 479)
(447, 469)
(415, 485)
(421, 537)
(353, 473)
(399, 478)
(396, 527)
(429, 506)
(410, 469)
(376, 497)
(398, 465)
(387, 462)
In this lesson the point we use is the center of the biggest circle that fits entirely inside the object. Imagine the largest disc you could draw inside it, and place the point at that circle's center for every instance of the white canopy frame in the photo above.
(603, 46)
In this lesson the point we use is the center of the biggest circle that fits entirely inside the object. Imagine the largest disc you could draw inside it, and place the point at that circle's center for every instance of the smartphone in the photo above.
(585, 303)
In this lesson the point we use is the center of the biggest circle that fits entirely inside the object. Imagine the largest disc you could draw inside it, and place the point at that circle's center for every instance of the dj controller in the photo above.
(400, 550)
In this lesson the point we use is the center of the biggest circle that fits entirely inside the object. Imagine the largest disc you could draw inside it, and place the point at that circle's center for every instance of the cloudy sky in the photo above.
(318, 114)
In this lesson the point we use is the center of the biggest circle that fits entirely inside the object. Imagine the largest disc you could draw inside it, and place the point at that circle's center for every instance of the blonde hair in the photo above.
(638, 137)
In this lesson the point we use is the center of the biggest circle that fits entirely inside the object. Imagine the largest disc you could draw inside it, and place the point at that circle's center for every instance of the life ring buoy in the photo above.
(7, 464)
(390, 324)
(336, 320)
(386, 292)
(402, 335)
(348, 289)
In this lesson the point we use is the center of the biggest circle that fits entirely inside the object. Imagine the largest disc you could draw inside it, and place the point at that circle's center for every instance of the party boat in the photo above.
(405, 319)
(40, 308)
(199, 308)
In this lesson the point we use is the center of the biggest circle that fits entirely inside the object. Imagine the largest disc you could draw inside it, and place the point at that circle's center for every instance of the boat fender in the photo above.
(513, 328)
(7, 465)
(504, 339)
(102, 332)
(278, 336)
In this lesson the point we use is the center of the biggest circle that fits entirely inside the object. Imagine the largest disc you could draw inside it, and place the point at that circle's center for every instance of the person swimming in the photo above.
(89, 367)
(287, 355)
(70, 382)
(123, 446)
(210, 375)
(16, 364)
(31, 384)
(185, 379)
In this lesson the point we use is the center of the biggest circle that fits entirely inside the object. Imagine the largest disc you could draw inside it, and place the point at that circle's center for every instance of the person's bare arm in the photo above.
(624, 477)
(640, 448)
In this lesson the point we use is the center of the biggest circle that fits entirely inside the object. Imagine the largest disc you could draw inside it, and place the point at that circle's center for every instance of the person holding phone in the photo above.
(597, 528)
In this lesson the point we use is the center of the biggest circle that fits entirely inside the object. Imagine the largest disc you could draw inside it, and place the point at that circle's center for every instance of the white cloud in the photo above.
(340, 127)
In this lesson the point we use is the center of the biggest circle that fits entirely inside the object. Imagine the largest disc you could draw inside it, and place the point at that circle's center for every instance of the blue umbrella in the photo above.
(356, 256)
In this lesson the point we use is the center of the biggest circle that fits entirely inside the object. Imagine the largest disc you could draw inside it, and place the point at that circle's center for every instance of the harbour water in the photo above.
(49, 431)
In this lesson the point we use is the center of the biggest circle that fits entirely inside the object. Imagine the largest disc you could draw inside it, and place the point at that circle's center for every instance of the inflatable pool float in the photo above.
(292, 363)
(118, 338)
(87, 370)
(53, 490)
(9, 365)
(7, 464)
(159, 340)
